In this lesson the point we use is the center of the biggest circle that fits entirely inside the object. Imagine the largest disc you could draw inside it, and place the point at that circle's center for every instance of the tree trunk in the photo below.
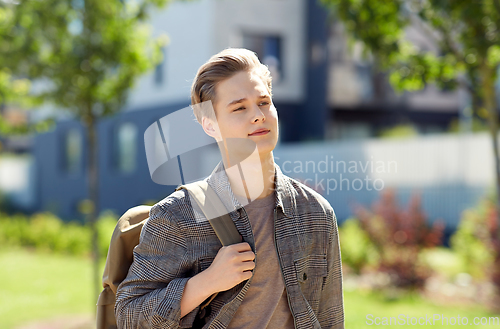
(491, 107)
(93, 161)
(93, 188)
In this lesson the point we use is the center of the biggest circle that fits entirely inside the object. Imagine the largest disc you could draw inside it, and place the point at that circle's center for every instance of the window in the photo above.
(72, 151)
(268, 49)
(160, 68)
(125, 147)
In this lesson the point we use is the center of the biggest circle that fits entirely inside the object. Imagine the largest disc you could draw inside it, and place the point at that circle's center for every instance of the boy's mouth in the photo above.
(259, 132)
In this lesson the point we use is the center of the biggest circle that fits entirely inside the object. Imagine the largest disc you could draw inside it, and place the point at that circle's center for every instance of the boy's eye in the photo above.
(260, 104)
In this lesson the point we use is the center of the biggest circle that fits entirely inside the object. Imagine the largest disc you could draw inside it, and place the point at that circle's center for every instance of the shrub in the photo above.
(477, 241)
(47, 232)
(399, 131)
(355, 246)
(14, 230)
(399, 236)
(105, 226)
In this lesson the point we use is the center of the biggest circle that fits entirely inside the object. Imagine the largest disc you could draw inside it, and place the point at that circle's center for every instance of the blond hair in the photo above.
(220, 67)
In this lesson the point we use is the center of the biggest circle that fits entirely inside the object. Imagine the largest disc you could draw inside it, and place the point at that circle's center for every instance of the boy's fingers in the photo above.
(247, 256)
(241, 247)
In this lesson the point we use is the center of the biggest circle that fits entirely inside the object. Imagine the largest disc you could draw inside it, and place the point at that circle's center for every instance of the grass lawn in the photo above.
(40, 286)
(36, 286)
(359, 305)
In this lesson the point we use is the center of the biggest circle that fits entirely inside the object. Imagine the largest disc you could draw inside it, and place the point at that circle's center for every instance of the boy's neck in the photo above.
(258, 178)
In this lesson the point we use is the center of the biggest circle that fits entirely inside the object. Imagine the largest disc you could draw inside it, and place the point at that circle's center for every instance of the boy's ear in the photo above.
(210, 127)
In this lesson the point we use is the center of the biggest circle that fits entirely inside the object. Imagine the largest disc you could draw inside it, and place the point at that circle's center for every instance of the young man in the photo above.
(287, 271)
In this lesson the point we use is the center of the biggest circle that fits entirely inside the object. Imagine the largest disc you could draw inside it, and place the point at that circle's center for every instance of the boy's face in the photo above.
(244, 109)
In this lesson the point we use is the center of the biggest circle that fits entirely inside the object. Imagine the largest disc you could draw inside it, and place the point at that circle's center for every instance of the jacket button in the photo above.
(304, 276)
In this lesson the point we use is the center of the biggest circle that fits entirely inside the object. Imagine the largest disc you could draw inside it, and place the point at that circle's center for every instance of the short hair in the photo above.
(220, 67)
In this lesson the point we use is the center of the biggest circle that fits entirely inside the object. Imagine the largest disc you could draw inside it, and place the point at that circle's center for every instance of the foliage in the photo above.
(465, 35)
(463, 48)
(444, 261)
(89, 52)
(10, 88)
(477, 241)
(477, 125)
(399, 236)
(105, 226)
(14, 89)
(357, 250)
(399, 131)
(46, 232)
(86, 55)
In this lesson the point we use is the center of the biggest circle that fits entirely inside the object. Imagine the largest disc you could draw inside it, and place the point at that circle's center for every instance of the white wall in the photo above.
(449, 171)
(419, 162)
(17, 181)
(199, 29)
(188, 25)
(287, 18)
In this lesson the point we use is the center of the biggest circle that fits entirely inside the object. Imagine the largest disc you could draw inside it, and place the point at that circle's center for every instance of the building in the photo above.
(320, 91)
(275, 30)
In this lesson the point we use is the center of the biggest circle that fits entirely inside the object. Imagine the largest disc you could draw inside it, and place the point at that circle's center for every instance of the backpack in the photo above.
(126, 236)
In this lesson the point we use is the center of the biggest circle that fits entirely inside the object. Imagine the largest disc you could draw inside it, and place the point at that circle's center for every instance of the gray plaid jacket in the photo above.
(175, 246)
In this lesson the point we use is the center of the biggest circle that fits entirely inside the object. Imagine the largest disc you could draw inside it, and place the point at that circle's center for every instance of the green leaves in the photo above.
(90, 51)
(464, 34)
(494, 55)
(378, 24)
(11, 88)
(414, 70)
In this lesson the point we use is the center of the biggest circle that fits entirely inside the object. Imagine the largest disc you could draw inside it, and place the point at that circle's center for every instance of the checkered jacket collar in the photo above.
(219, 181)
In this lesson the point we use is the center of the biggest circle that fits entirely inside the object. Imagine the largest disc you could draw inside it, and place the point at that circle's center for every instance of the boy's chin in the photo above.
(265, 148)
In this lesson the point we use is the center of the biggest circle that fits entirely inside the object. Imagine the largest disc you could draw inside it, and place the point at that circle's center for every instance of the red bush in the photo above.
(399, 236)
(494, 242)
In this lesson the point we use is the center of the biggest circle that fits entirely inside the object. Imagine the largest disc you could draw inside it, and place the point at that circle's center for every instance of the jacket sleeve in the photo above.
(150, 295)
(331, 307)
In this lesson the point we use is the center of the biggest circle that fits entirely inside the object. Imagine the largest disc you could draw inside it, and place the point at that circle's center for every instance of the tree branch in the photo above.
(446, 40)
(424, 28)
(496, 3)
(462, 82)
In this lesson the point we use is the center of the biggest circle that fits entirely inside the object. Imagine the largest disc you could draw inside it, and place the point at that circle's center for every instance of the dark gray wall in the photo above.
(61, 192)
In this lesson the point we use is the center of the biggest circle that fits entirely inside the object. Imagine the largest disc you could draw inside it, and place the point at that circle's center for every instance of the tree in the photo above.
(10, 90)
(465, 33)
(13, 90)
(87, 54)
(467, 37)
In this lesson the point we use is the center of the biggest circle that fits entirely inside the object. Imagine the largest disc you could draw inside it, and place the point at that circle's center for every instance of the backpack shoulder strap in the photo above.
(214, 210)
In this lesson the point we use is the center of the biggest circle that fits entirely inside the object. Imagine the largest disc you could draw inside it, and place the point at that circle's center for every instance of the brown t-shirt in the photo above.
(265, 304)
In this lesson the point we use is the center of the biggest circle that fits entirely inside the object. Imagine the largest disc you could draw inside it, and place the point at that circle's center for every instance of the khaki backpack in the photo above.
(126, 236)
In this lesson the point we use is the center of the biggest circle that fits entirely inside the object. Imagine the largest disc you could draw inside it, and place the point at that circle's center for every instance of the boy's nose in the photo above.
(258, 114)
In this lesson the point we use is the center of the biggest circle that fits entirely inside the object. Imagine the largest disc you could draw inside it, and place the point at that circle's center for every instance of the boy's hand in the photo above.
(232, 265)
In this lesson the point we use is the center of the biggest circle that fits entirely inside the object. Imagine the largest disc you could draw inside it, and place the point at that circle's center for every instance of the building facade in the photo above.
(321, 90)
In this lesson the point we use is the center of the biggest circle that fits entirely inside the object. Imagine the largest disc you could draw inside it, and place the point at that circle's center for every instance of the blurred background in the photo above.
(389, 109)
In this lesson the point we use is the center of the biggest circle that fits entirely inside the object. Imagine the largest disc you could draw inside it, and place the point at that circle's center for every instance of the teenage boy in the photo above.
(287, 271)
